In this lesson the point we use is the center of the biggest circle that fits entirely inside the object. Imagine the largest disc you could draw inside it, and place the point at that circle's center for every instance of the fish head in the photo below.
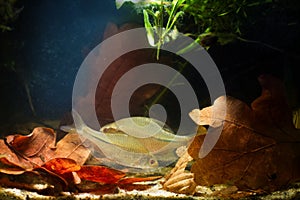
(147, 161)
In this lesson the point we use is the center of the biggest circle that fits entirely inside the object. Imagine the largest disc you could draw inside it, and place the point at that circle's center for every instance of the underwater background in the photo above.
(49, 40)
(41, 55)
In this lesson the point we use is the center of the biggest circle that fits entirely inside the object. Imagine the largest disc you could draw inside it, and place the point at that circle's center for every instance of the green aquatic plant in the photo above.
(166, 33)
(154, 13)
(203, 20)
(8, 14)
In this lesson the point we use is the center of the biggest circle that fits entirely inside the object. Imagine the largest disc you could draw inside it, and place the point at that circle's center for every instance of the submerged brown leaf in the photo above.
(38, 180)
(8, 167)
(52, 169)
(258, 147)
(178, 180)
(71, 146)
(36, 147)
(10, 162)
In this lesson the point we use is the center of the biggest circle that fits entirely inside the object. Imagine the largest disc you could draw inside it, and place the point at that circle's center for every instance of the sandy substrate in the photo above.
(154, 192)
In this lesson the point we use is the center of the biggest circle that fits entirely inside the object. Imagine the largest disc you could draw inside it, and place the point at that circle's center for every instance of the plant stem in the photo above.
(163, 92)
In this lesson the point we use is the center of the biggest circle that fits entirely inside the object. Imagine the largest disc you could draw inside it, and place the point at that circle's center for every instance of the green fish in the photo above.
(153, 134)
(121, 148)
(145, 128)
(134, 137)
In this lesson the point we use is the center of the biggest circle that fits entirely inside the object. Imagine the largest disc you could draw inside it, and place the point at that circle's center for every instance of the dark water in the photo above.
(41, 56)
(50, 39)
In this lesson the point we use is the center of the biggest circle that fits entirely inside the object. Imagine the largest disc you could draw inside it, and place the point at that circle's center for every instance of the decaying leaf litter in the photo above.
(258, 147)
(257, 151)
(59, 168)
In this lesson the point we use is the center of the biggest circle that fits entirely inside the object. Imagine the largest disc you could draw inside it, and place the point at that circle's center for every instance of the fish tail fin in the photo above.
(88, 132)
(78, 121)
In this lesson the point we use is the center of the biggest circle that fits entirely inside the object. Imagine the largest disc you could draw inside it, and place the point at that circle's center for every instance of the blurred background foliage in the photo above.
(9, 12)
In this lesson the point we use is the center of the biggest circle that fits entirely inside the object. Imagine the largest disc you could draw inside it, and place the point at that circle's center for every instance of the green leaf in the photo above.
(175, 4)
(150, 12)
(149, 28)
(222, 14)
(5, 28)
(189, 47)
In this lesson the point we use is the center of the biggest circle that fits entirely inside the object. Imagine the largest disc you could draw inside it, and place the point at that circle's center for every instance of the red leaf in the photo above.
(61, 165)
(65, 169)
(100, 174)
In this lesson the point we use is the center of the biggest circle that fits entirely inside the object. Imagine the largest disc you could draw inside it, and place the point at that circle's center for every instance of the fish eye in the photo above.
(152, 162)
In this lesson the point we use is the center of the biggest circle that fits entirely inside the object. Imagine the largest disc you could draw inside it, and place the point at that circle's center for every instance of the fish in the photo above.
(121, 148)
(153, 134)
(138, 135)
(145, 127)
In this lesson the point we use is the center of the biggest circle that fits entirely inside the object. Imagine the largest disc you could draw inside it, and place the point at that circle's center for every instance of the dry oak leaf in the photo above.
(21, 158)
(258, 147)
(36, 147)
(71, 146)
(8, 167)
(59, 168)
(11, 163)
(38, 180)
(178, 180)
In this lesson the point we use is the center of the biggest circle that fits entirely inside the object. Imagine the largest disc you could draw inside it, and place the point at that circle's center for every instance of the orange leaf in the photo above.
(100, 174)
(61, 165)
(63, 168)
